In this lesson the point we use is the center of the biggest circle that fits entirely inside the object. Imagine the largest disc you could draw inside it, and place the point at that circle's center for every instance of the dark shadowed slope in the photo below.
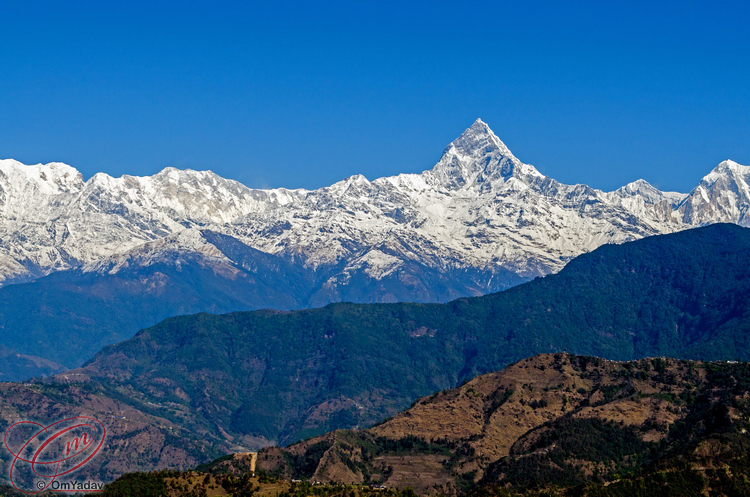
(68, 316)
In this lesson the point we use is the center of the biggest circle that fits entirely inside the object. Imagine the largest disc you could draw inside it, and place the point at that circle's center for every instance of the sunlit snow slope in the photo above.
(480, 212)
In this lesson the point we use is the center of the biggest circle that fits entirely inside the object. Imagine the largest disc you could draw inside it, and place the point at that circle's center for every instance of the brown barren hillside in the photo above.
(135, 439)
(554, 419)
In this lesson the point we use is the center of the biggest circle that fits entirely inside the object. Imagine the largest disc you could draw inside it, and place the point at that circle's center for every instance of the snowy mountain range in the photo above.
(84, 264)
(479, 209)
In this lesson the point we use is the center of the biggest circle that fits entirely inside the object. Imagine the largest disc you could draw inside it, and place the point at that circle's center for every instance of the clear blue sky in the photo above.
(302, 94)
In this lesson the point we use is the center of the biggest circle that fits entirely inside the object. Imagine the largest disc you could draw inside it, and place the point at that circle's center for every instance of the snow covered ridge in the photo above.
(478, 208)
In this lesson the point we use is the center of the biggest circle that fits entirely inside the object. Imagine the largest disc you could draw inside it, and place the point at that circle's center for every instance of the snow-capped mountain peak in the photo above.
(47, 179)
(643, 189)
(479, 138)
(727, 168)
(36, 191)
(478, 156)
(723, 195)
(478, 211)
